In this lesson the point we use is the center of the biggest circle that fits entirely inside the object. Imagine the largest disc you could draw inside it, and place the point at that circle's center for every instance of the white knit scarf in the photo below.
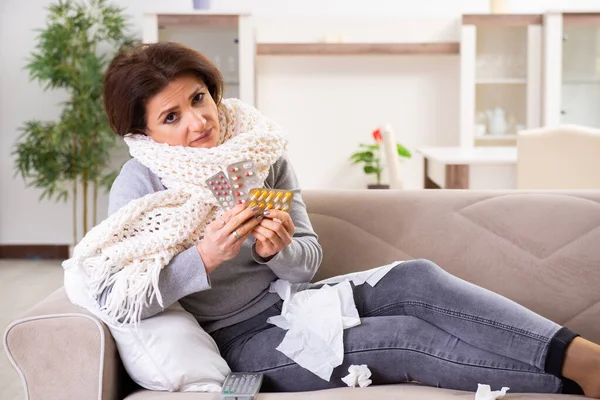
(129, 249)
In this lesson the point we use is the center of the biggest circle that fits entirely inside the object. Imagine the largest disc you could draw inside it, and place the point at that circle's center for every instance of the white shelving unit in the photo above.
(501, 69)
(572, 69)
(227, 39)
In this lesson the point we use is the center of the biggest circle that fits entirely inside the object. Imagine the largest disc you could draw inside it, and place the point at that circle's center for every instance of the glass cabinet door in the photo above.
(580, 100)
(501, 69)
(500, 84)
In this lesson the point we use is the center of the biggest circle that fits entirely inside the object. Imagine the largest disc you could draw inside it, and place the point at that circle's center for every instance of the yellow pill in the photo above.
(270, 196)
(253, 204)
(263, 194)
(285, 208)
(254, 195)
(278, 197)
(262, 205)
(269, 206)
(277, 206)
(287, 196)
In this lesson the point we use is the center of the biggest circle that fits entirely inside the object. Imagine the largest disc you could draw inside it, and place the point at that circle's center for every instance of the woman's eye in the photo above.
(198, 98)
(170, 118)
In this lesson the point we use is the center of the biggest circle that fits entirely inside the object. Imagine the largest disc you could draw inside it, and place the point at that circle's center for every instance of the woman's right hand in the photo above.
(224, 236)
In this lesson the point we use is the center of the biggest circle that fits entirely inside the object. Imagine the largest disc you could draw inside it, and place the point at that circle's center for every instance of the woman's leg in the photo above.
(473, 314)
(397, 349)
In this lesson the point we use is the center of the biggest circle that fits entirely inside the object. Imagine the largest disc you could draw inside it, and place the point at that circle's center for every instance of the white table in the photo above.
(470, 167)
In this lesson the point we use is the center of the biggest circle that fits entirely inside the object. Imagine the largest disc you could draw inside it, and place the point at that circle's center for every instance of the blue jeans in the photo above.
(419, 323)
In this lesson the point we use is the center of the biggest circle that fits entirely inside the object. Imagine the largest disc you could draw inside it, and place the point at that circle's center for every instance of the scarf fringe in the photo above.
(133, 289)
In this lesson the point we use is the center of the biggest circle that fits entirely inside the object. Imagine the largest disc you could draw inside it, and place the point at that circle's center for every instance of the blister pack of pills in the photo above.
(243, 178)
(221, 188)
(268, 199)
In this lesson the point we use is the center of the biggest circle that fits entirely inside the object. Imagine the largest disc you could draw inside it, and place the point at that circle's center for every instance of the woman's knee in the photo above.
(420, 269)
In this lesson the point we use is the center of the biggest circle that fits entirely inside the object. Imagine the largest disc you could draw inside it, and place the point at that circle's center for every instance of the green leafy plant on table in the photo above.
(370, 155)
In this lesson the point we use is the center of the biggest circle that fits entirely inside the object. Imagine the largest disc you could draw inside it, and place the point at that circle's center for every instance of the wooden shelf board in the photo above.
(582, 18)
(356, 48)
(501, 81)
(502, 19)
(197, 20)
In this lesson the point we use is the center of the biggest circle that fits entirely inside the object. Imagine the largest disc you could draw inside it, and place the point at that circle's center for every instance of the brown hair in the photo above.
(137, 74)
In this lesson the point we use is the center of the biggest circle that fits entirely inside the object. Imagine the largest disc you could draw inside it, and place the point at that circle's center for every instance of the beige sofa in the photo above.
(539, 249)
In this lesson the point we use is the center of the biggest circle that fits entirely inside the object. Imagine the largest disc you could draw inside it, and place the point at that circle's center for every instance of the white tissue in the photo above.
(315, 320)
(372, 276)
(484, 392)
(358, 375)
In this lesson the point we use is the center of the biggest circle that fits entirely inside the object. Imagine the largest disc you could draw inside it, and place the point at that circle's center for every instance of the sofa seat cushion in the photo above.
(383, 392)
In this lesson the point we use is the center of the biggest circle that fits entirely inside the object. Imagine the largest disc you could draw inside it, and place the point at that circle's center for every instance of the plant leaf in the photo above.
(403, 151)
(372, 147)
(371, 170)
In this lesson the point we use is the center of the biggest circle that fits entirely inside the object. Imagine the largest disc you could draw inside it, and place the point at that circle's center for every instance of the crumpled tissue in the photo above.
(316, 318)
(484, 392)
(358, 375)
(372, 276)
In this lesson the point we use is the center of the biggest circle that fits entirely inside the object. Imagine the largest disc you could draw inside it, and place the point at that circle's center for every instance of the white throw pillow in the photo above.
(169, 351)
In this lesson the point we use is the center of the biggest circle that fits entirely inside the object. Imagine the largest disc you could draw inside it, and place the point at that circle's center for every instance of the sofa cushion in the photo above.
(392, 392)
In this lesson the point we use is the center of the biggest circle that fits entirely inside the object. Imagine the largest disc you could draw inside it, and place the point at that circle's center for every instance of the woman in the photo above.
(437, 329)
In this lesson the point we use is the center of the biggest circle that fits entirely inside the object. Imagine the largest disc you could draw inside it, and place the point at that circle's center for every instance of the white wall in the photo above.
(283, 89)
(334, 103)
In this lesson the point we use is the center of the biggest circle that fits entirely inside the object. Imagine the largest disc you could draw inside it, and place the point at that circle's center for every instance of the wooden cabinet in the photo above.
(227, 39)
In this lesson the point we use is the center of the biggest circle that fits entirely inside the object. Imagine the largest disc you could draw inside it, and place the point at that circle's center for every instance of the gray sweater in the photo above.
(238, 289)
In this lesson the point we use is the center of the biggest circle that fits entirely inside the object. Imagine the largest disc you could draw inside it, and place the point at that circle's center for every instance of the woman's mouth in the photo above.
(205, 135)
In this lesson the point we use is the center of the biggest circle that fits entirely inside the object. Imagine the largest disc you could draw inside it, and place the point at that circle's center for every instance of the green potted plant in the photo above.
(73, 152)
(370, 156)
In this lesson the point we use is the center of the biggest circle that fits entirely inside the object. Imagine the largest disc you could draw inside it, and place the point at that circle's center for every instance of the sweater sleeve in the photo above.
(299, 261)
(185, 274)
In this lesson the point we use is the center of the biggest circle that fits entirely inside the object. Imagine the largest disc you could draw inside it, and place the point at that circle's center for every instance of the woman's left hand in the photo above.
(273, 233)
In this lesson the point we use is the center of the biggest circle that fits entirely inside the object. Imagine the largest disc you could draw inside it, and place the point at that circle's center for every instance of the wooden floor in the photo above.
(22, 284)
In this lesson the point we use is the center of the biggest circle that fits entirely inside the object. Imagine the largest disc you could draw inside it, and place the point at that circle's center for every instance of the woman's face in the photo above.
(183, 114)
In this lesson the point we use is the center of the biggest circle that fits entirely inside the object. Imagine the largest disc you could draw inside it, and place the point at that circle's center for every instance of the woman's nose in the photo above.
(197, 121)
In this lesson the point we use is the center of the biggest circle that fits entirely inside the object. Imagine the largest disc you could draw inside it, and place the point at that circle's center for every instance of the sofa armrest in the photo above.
(61, 351)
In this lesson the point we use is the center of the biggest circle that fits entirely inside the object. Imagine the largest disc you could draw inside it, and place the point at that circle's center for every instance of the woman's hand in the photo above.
(224, 236)
(273, 233)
